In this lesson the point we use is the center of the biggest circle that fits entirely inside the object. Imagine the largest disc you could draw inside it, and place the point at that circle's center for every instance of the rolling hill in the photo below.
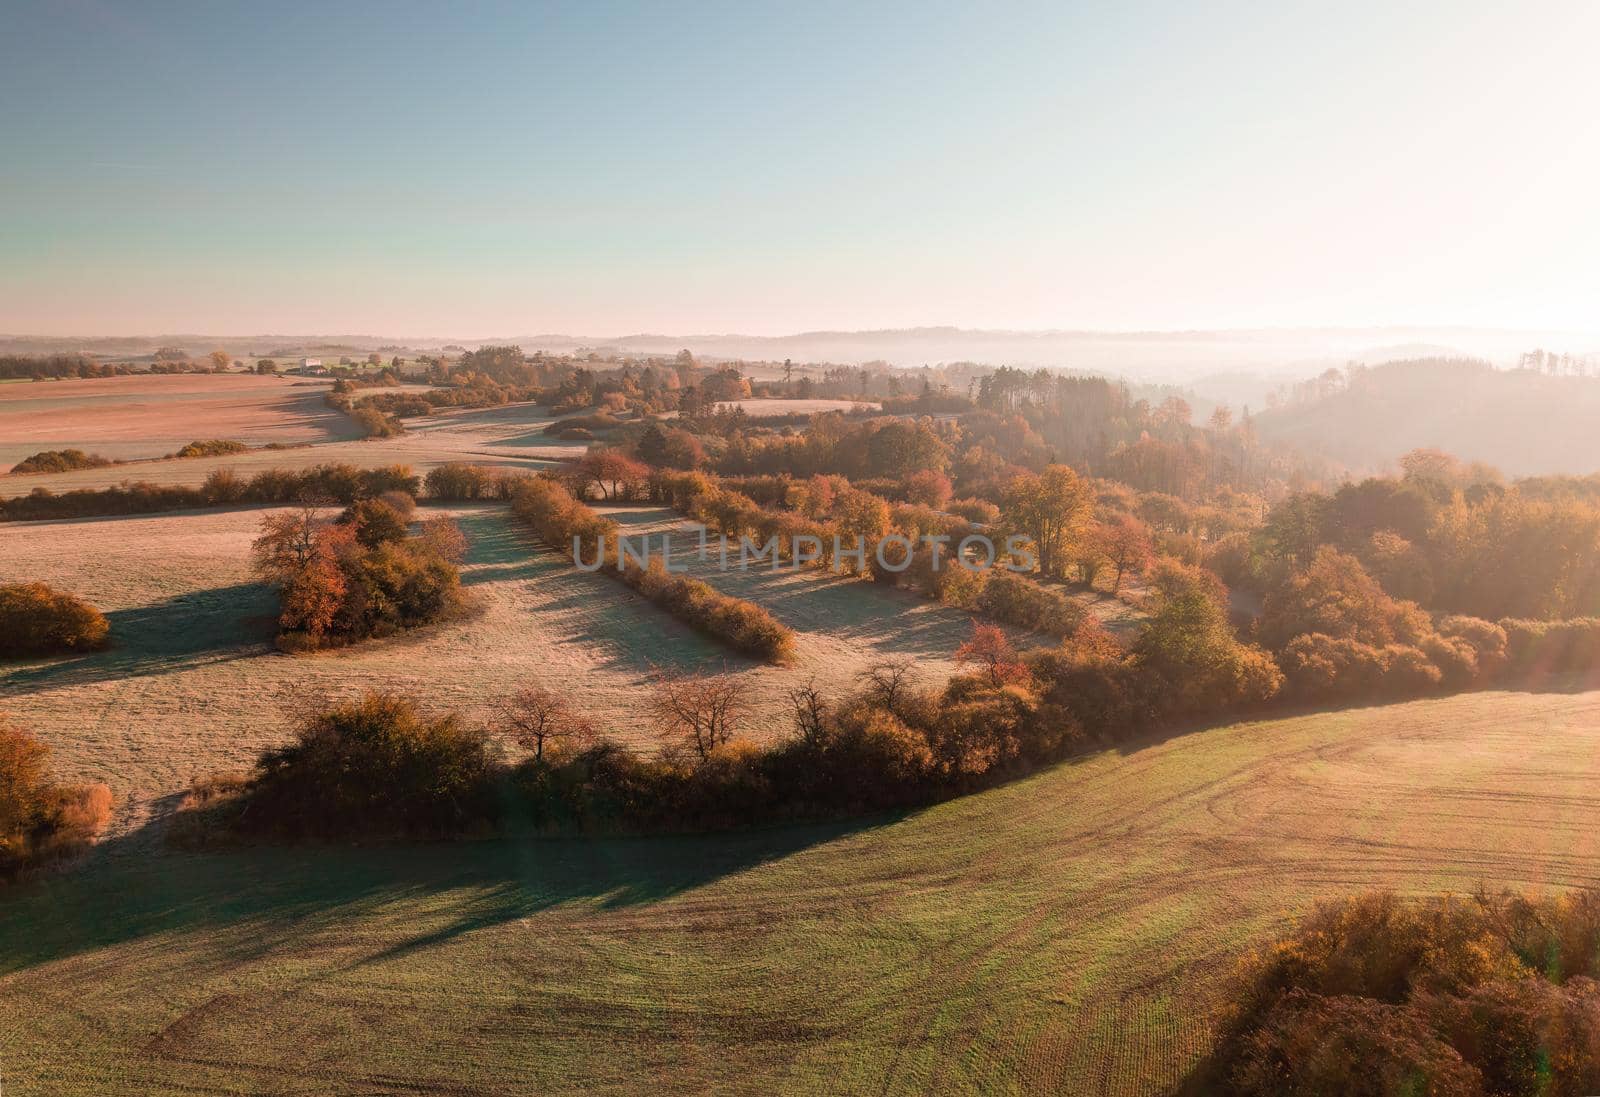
(1067, 933)
(1522, 422)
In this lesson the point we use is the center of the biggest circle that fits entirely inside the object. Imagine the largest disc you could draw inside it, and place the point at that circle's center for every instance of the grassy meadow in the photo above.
(192, 683)
(1065, 933)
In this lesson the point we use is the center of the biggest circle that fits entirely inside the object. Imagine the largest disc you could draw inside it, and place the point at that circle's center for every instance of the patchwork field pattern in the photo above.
(509, 436)
(152, 415)
(193, 685)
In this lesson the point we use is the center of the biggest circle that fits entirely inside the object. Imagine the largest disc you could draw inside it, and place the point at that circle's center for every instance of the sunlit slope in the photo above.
(1063, 934)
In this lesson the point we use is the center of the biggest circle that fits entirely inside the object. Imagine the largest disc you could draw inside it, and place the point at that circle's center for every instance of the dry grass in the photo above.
(507, 436)
(1064, 934)
(192, 685)
(152, 415)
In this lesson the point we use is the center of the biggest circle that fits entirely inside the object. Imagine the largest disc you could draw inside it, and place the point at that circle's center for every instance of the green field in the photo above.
(1062, 934)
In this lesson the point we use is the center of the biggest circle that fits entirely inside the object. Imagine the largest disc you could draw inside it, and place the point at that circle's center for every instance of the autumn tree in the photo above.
(992, 652)
(535, 717)
(1335, 596)
(288, 540)
(375, 521)
(220, 360)
(1196, 662)
(613, 472)
(1049, 509)
(1126, 544)
(443, 537)
(928, 487)
(698, 710)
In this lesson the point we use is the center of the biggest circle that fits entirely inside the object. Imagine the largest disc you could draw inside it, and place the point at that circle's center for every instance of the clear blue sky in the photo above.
(482, 169)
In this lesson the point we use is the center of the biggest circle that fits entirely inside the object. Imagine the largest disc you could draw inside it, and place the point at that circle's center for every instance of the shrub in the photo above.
(1194, 662)
(564, 523)
(1552, 647)
(743, 625)
(1308, 1044)
(977, 511)
(60, 460)
(376, 521)
(378, 767)
(1095, 682)
(1321, 667)
(214, 447)
(341, 483)
(374, 423)
(1018, 600)
(335, 589)
(41, 821)
(1375, 995)
(458, 482)
(37, 620)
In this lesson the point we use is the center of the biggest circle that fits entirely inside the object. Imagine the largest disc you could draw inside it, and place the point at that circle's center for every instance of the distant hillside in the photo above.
(1523, 422)
(1179, 357)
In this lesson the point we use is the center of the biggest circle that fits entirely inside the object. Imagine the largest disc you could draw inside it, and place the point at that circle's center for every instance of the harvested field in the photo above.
(192, 684)
(152, 415)
(508, 436)
(1064, 934)
(759, 408)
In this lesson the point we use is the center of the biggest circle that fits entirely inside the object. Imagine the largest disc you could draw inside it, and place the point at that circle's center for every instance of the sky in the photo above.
(491, 169)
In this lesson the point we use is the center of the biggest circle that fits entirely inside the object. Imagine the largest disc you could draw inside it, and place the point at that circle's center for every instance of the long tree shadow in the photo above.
(127, 891)
(185, 631)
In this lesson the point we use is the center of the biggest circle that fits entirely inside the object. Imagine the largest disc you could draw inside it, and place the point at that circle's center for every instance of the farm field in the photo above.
(506, 436)
(1065, 933)
(760, 407)
(194, 685)
(152, 415)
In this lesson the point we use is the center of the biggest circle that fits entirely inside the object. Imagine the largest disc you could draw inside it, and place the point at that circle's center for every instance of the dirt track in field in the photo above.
(1065, 934)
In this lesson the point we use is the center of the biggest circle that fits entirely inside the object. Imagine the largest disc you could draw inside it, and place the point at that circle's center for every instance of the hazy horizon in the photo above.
(625, 169)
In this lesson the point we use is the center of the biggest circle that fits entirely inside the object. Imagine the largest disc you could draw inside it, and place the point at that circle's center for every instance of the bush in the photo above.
(60, 460)
(335, 589)
(1374, 995)
(1318, 667)
(977, 511)
(1018, 600)
(373, 423)
(377, 521)
(215, 447)
(41, 821)
(458, 482)
(37, 620)
(341, 483)
(377, 767)
(1308, 1044)
(1552, 647)
(567, 525)
(1194, 662)
(742, 625)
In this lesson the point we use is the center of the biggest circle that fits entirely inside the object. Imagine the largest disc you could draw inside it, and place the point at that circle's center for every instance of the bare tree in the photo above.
(535, 716)
(888, 680)
(810, 712)
(701, 710)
